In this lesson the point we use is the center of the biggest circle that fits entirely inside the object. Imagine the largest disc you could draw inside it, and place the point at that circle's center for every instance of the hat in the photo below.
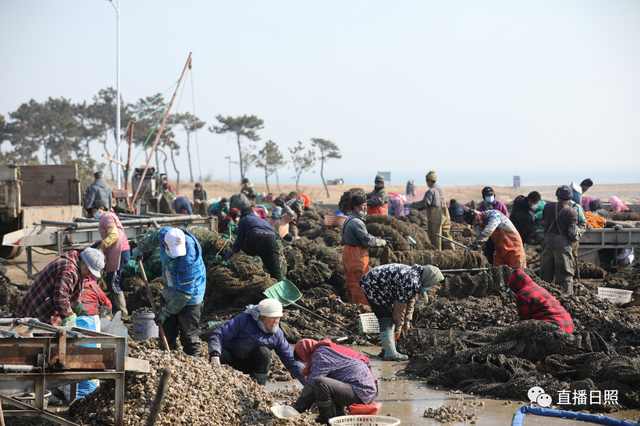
(357, 200)
(260, 211)
(432, 176)
(431, 276)
(487, 190)
(176, 241)
(224, 200)
(234, 213)
(595, 205)
(97, 204)
(245, 180)
(564, 192)
(198, 185)
(379, 178)
(587, 182)
(277, 212)
(270, 308)
(94, 259)
(246, 211)
(469, 215)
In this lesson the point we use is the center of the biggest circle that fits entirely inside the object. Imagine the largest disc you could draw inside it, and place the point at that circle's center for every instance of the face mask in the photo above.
(97, 215)
(534, 206)
(168, 253)
(490, 199)
(362, 214)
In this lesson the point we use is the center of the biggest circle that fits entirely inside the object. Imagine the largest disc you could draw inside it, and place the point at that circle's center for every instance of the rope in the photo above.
(195, 128)
(16, 265)
(151, 113)
(145, 142)
(157, 97)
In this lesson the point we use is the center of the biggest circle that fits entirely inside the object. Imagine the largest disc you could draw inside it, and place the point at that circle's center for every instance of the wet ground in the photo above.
(407, 399)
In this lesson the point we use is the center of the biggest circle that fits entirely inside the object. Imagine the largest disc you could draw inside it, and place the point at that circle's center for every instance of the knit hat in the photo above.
(246, 211)
(94, 259)
(564, 193)
(277, 212)
(97, 204)
(198, 185)
(176, 241)
(487, 190)
(431, 276)
(432, 176)
(587, 182)
(357, 200)
(379, 178)
(245, 180)
(270, 308)
(224, 200)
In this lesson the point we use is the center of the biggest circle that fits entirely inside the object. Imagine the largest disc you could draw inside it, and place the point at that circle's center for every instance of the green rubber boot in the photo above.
(260, 378)
(388, 340)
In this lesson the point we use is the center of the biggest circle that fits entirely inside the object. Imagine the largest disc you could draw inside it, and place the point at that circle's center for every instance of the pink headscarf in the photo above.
(617, 205)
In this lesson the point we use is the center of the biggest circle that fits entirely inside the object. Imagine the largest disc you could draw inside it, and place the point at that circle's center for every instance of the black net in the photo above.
(446, 259)
(394, 237)
(345, 200)
(404, 229)
(625, 215)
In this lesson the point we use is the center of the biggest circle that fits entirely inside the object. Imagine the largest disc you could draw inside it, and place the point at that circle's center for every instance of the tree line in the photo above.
(64, 132)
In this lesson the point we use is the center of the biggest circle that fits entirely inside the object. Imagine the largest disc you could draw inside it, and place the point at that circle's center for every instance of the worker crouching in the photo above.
(335, 377)
(245, 342)
(392, 289)
(535, 303)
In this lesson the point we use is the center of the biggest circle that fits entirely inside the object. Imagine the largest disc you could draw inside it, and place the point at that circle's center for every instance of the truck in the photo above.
(30, 194)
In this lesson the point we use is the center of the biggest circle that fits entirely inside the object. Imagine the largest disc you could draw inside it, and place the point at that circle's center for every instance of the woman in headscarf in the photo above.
(494, 225)
(335, 377)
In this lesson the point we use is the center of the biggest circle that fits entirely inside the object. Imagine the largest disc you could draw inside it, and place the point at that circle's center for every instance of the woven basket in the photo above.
(334, 219)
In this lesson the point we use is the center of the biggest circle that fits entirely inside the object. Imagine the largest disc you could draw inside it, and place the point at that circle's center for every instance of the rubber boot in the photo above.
(119, 303)
(261, 378)
(326, 410)
(388, 341)
(340, 411)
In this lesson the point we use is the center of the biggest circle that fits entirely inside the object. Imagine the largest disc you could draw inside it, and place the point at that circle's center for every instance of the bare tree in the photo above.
(269, 158)
(245, 126)
(301, 162)
(328, 150)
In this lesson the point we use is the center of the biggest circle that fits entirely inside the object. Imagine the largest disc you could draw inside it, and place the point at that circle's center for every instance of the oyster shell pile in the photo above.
(446, 414)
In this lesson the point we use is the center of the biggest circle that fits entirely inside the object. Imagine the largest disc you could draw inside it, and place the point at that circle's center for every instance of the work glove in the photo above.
(215, 360)
(69, 318)
(136, 253)
(228, 254)
(97, 245)
(160, 317)
(80, 310)
(475, 246)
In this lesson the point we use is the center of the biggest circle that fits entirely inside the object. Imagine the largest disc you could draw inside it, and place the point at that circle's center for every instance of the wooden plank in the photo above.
(33, 215)
(77, 357)
(53, 185)
(137, 365)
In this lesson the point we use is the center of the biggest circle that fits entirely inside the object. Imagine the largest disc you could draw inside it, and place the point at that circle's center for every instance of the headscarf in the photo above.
(306, 348)
(617, 205)
(255, 314)
(432, 176)
(431, 276)
(260, 211)
(234, 213)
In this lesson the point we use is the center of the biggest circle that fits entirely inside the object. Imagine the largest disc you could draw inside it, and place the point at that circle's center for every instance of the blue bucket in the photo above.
(143, 326)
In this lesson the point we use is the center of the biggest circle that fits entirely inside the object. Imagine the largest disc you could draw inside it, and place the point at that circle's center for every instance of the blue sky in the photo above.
(478, 91)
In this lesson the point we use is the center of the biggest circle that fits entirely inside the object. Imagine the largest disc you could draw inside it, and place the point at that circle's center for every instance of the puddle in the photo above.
(407, 399)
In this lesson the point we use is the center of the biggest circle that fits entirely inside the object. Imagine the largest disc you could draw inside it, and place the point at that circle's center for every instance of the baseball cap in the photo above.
(176, 241)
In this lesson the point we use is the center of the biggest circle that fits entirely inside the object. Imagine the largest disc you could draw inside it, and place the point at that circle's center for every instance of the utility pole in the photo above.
(117, 8)
(230, 162)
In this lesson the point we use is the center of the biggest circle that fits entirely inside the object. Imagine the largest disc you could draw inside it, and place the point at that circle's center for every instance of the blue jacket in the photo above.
(188, 274)
(249, 225)
(241, 335)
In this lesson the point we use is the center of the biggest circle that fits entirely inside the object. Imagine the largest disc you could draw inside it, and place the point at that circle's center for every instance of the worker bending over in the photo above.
(184, 283)
(245, 342)
(508, 245)
(535, 303)
(391, 290)
(53, 298)
(378, 199)
(256, 238)
(335, 377)
(355, 255)
(438, 219)
(560, 231)
(280, 219)
(115, 246)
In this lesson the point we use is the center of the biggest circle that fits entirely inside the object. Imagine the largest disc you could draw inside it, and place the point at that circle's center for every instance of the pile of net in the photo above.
(463, 234)
(626, 279)
(393, 237)
(445, 259)
(198, 394)
(310, 265)
(10, 297)
(625, 215)
(508, 361)
(136, 292)
(405, 230)
(416, 218)
(241, 282)
(589, 270)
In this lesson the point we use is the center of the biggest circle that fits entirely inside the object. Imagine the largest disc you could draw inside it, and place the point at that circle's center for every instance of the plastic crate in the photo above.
(615, 295)
(334, 219)
(364, 420)
(368, 324)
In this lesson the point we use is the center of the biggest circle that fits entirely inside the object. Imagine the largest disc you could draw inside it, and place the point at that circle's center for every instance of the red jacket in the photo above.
(92, 296)
(536, 303)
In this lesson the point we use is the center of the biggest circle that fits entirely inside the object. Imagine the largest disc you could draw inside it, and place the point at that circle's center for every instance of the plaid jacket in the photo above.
(92, 296)
(56, 289)
(536, 303)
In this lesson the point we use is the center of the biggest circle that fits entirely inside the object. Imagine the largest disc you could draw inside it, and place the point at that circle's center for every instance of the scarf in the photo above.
(255, 314)
(485, 219)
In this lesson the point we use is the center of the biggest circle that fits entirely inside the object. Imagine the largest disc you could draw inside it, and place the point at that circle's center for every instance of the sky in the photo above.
(478, 91)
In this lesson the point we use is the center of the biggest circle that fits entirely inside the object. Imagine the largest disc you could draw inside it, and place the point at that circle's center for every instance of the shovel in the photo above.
(453, 242)
(287, 293)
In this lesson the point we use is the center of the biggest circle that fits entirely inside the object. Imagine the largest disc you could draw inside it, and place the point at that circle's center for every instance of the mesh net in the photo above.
(446, 259)
(394, 237)
(404, 229)
(345, 200)
(625, 215)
